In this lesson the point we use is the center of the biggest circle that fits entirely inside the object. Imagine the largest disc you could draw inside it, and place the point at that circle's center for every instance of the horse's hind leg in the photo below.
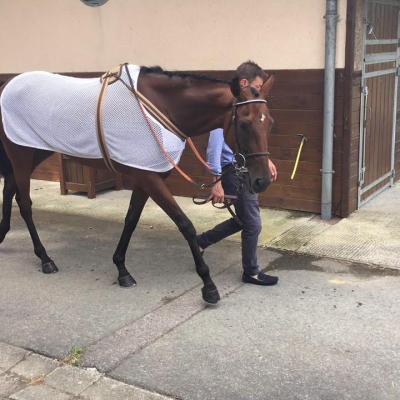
(160, 193)
(138, 201)
(8, 195)
(22, 173)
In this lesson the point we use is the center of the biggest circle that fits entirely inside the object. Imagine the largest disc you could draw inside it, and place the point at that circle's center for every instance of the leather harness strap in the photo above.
(106, 79)
(112, 76)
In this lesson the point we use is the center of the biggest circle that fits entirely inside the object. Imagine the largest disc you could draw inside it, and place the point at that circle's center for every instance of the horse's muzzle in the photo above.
(260, 184)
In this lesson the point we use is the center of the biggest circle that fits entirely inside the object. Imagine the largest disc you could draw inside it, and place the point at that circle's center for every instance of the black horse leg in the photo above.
(160, 193)
(8, 195)
(138, 201)
(25, 207)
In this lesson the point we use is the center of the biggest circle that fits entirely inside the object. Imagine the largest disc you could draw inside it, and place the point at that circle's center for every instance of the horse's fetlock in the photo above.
(118, 259)
(39, 251)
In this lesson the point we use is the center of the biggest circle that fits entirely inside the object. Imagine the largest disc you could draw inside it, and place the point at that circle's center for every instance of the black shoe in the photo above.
(261, 279)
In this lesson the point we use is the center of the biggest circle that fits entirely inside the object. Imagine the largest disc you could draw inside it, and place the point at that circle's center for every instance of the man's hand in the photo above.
(273, 171)
(217, 193)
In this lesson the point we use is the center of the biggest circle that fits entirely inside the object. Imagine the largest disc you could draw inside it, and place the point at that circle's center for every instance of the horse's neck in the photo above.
(196, 108)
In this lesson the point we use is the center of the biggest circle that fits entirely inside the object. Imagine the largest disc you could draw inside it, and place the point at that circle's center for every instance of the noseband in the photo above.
(240, 166)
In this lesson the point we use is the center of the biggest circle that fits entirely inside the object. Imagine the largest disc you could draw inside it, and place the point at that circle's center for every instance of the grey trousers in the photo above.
(248, 211)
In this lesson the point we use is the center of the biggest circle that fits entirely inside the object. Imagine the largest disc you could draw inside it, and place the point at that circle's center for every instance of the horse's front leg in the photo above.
(160, 193)
(138, 201)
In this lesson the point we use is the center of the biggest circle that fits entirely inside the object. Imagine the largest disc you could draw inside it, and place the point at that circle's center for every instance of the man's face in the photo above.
(257, 83)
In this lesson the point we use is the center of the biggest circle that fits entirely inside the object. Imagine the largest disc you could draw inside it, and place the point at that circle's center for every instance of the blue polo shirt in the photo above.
(219, 154)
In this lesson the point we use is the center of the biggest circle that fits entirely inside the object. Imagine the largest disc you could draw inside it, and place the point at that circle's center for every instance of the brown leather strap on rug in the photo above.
(105, 79)
(112, 76)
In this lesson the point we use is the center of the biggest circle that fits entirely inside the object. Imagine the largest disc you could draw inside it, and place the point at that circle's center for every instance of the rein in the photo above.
(227, 204)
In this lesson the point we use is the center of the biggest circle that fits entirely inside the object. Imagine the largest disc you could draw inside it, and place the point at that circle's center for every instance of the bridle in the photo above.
(240, 158)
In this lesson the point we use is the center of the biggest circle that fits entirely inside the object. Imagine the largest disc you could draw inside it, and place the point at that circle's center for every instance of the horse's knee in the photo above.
(25, 208)
(9, 186)
(187, 228)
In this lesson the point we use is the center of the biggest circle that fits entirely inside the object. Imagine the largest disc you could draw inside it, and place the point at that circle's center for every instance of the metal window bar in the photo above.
(377, 58)
(386, 2)
(375, 194)
(374, 74)
(372, 42)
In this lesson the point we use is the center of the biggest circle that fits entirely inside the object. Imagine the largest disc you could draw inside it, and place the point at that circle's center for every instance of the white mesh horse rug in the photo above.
(58, 113)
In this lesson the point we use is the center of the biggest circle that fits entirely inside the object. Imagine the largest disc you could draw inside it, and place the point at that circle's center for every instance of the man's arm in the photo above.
(272, 170)
(214, 152)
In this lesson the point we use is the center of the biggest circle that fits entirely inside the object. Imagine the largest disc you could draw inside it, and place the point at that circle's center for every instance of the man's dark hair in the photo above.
(250, 70)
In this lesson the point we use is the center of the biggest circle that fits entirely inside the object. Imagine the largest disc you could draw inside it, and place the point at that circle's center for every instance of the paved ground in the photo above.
(329, 330)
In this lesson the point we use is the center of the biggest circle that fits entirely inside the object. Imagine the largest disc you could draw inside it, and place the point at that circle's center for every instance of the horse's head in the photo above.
(247, 130)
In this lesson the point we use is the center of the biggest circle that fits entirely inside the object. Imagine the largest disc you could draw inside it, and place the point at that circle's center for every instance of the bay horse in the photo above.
(196, 104)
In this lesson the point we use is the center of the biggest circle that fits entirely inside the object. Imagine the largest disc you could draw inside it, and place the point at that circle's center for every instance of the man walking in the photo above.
(219, 157)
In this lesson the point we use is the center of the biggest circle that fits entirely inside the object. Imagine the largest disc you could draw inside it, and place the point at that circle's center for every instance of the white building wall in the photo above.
(66, 35)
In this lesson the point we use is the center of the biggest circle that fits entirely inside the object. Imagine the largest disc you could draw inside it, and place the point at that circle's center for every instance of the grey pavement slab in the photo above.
(9, 384)
(10, 355)
(72, 380)
(40, 392)
(34, 366)
(106, 389)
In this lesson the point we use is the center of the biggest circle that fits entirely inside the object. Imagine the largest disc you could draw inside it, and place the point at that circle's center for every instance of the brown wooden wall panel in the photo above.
(296, 105)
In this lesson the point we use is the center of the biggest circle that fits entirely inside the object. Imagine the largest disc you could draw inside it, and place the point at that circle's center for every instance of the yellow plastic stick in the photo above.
(297, 158)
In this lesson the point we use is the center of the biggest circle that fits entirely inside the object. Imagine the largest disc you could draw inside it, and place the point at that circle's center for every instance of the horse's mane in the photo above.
(181, 74)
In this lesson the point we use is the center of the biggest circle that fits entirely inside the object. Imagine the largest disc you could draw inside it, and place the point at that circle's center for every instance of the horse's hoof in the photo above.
(210, 295)
(49, 267)
(126, 281)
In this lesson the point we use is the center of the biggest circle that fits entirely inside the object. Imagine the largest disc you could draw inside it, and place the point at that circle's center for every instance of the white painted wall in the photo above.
(66, 35)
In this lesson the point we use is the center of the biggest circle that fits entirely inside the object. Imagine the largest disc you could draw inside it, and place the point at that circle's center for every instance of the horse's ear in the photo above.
(235, 87)
(267, 86)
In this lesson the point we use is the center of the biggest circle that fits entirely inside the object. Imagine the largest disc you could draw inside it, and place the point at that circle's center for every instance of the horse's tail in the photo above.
(5, 164)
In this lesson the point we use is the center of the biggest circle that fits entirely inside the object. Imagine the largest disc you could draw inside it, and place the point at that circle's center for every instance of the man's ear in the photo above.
(238, 87)
(267, 86)
(243, 83)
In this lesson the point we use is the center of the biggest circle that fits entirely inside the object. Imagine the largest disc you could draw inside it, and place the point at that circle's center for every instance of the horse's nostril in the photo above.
(260, 184)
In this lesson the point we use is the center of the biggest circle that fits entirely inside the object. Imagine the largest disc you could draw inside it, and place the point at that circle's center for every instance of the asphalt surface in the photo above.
(328, 330)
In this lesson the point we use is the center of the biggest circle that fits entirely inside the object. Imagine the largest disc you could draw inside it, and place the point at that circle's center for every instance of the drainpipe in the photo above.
(329, 108)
